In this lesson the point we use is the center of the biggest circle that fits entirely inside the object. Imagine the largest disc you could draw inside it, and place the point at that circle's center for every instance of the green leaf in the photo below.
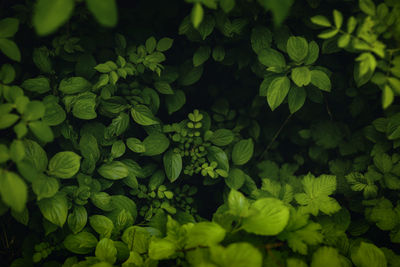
(313, 53)
(222, 137)
(55, 209)
(261, 38)
(316, 197)
(10, 49)
(321, 21)
(13, 190)
(163, 88)
(49, 15)
(42, 131)
(196, 15)
(328, 33)
(115, 170)
(205, 234)
(44, 186)
(383, 162)
(106, 251)
(227, 5)
(36, 155)
(81, 243)
(164, 44)
(118, 149)
(326, 256)
(296, 98)
(34, 110)
(267, 216)
(7, 120)
(104, 11)
(150, 44)
(172, 165)
(135, 145)
(54, 113)
(218, 53)
(39, 85)
(161, 249)
(17, 150)
(242, 151)
(301, 76)
(201, 55)
(7, 74)
(77, 219)
(387, 97)
(64, 164)
(142, 115)
(8, 27)
(155, 144)
(277, 91)
(367, 6)
(102, 225)
(238, 254)
(367, 254)
(74, 85)
(297, 48)
(137, 238)
(218, 155)
(238, 204)
(280, 9)
(41, 58)
(271, 58)
(337, 18)
(321, 80)
(235, 179)
(175, 102)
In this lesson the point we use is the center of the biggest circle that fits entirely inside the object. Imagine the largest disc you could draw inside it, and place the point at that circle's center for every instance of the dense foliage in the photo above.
(200, 133)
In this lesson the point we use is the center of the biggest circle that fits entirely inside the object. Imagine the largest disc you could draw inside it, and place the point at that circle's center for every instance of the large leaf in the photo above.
(64, 164)
(49, 15)
(13, 189)
(105, 11)
(172, 165)
(277, 91)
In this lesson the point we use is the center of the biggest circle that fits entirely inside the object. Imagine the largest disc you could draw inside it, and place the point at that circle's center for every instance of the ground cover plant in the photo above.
(199, 133)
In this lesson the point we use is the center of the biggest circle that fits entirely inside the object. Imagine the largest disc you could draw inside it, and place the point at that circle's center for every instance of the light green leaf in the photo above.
(172, 165)
(10, 49)
(367, 6)
(102, 225)
(218, 155)
(267, 216)
(64, 164)
(55, 209)
(142, 115)
(277, 91)
(114, 171)
(242, 151)
(81, 243)
(271, 58)
(205, 234)
(13, 190)
(321, 80)
(155, 144)
(150, 44)
(77, 219)
(387, 96)
(8, 27)
(368, 255)
(49, 15)
(313, 53)
(44, 186)
(105, 11)
(106, 251)
(161, 249)
(135, 145)
(118, 149)
(326, 256)
(321, 21)
(34, 110)
(337, 18)
(296, 98)
(17, 150)
(297, 48)
(238, 204)
(301, 76)
(197, 15)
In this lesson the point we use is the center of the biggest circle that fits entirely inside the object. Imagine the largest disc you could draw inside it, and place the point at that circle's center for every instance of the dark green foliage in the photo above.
(199, 133)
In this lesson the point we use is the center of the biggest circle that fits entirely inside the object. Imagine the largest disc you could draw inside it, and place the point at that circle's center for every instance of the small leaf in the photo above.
(297, 48)
(201, 55)
(321, 21)
(367, 6)
(135, 145)
(197, 15)
(114, 171)
(387, 97)
(175, 102)
(8, 27)
(301, 76)
(337, 18)
(164, 44)
(142, 115)
(163, 88)
(238, 204)
(10, 49)
(77, 219)
(296, 98)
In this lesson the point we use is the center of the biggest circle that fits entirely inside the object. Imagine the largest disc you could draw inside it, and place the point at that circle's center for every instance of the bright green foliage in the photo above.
(151, 134)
